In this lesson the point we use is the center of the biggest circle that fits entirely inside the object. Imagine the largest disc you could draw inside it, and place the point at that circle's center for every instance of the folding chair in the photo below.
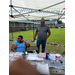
(31, 49)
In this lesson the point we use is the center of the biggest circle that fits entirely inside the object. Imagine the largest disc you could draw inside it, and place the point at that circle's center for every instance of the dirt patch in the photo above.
(52, 52)
(56, 45)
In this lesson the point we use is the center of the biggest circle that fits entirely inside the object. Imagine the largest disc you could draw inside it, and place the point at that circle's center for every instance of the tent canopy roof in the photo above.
(36, 9)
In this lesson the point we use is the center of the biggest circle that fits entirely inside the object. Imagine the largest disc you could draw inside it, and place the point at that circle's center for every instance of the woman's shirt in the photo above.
(20, 46)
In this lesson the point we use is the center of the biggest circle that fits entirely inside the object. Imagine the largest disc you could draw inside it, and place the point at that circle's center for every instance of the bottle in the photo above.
(47, 55)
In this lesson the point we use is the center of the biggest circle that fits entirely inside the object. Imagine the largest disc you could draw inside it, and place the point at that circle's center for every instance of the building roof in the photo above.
(21, 21)
(61, 24)
(25, 21)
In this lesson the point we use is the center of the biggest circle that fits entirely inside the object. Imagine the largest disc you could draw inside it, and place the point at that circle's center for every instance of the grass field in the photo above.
(57, 37)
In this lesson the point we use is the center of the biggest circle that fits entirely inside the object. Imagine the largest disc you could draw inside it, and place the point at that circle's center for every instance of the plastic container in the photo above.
(52, 59)
(35, 41)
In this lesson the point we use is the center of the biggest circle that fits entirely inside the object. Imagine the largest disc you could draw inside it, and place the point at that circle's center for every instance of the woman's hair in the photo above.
(20, 36)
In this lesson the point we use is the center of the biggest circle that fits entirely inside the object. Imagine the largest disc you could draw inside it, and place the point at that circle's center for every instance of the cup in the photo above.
(47, 55)
(57, 57)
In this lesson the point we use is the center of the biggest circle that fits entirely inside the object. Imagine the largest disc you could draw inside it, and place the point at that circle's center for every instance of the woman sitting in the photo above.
(20, 45)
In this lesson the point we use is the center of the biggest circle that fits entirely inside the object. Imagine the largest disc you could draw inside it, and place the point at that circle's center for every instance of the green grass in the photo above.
(51, 48)
(54, 49)
(57, 37)
(28, 35)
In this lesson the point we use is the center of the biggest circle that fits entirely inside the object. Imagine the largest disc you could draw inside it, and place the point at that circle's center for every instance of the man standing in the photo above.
(41, 31)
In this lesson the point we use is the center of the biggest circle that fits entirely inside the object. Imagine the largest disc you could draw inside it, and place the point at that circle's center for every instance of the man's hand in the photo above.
(22, 67)
(46, 38)
(34, 38)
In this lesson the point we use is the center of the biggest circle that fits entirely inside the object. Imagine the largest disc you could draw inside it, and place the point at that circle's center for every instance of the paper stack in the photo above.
(43, 68)
(34, 57)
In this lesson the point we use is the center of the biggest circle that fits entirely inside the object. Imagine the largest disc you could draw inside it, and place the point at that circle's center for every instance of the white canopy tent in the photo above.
(36, 9)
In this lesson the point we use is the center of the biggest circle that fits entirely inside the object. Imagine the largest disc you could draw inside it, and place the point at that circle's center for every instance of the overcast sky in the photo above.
(63, 20)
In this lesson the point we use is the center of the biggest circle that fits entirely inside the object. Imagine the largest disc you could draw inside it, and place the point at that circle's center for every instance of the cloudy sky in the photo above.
(63, 20)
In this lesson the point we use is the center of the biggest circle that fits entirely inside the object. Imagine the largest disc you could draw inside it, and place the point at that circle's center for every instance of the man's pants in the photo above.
(43, 45)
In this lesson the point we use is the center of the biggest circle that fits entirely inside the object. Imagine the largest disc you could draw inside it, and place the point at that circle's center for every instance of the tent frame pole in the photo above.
(12, 33)
(11, 7)
(53, 5)
(11, 14)
(61, 16)
(20, 13)
(33, 32)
